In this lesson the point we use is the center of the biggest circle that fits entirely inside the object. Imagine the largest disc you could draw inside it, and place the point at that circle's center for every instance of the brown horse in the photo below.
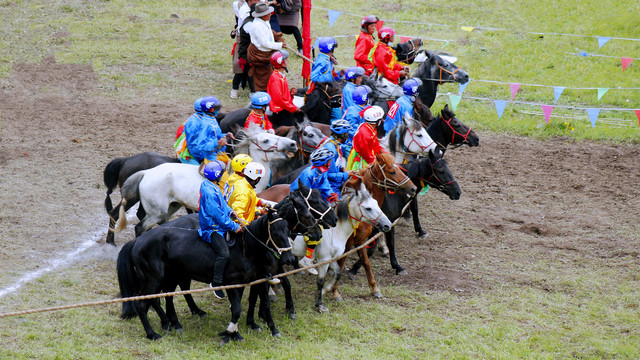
(381, 177)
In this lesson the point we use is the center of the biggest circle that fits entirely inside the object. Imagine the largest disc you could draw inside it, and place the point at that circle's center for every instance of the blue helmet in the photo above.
(340, 126)
(210, 104)
(321, 156)
(260, 99)
(196, 105)
(360, 95)
(327, 44)
(214, 170)
(410, 87)
(354, 72)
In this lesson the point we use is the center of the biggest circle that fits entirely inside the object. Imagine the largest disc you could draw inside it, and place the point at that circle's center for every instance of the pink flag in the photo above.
(547, 110)
(379, 25)
(625, 62)
(404, 38)
(638, 116)
(514, 89)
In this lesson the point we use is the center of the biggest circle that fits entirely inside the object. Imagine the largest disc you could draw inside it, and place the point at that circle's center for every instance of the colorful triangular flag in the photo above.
(514, 87)
(467, 28)
(583, 53)
(601, 92)
(557, 91)
(593, 116)
(500, 105)
(547, 110)
(446, 42)
(625, 62)
(462, 87)
(602, 41)
(455, 100)
(638, 116)
(333, 16)
(314, 43)
(379, 25)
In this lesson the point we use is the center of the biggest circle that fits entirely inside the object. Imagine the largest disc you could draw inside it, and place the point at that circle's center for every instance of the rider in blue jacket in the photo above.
(322, 68)
(353, 115)
(315, 176)
(336, 144)
(205, 139)
(403, 105)
(215, 220)
(353, 75)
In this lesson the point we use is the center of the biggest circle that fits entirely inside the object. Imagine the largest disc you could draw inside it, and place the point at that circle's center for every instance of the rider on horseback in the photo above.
(259, 102)
(182, 151)
(204, 138)
(365, 43)
(315, 177)
(241, 195)
(237, 164)
(336, 144)
(354, 113)
(322, 68)
(365, 143)
(278, 88)
(215, 221)
(404, 104)
(386, 62)
(353, 75)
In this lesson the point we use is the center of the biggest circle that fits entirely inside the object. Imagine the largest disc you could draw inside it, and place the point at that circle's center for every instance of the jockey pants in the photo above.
(220, 247)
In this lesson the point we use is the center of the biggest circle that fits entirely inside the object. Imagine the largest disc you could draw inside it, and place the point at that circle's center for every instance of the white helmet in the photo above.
(254, 170)
(373, 114)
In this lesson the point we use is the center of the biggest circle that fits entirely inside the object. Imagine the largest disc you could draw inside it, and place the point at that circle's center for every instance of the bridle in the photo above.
(455, 132)
(269, 240)
(271, 149)
(302, 144)
(411, 54)
(362, 217)
(445, 70)
(405, 147)
(311, 208)
(440, 185)
(329, 97)
(384, 183)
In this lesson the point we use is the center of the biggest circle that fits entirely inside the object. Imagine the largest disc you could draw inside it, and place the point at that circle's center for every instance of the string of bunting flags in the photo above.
(602, 40)
(547, 109)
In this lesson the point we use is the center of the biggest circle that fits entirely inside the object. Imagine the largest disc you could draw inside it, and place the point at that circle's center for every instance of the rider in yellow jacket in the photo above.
(237, 164)
(242, 194)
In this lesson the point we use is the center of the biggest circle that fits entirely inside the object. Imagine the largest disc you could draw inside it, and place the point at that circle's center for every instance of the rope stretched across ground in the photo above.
(196, 291)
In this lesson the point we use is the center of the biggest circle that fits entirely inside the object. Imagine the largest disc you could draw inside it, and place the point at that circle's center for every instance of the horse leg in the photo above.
(322, 272)
(142, 307)
(373, 285)
(171, 315)
(195, 310)
(236, 308)
(353, 271)
(332, 286)
(253, 297)
(390, 235)
(286, 287)
(416, 219)
(382, 245)
(265, 308)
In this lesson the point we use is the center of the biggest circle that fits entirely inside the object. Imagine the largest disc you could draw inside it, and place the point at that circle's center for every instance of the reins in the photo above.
(383, 184)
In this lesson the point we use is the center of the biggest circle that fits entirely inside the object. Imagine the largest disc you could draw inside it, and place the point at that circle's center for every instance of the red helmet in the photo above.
(386, 33)
(368, 20)
(278, 58)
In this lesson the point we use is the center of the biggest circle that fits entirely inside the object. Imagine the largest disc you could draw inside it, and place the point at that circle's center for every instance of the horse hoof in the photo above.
(338, 298)
(255, 327)
(273, 298)
(377, 294)
(179, 331)
(322, 309)
(292, 315)
(351, 275)
(154, 337)
(277, 334)
(201, 314)
(403, 272)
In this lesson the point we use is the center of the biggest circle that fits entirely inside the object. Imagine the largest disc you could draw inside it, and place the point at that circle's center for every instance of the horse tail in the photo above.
(129, 191)
(127, 279)
(111, 176)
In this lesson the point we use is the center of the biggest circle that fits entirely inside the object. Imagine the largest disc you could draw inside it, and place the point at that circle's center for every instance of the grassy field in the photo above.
(139, 51)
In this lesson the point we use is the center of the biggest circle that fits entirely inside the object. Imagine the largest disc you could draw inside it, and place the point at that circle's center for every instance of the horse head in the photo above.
(321, 210)
(457, 131)
(407, 51)
(416, 140)
(422, 113)
(309, 138)
(362, 207)
(263, 146)
(434, 171)
(294, 209)
(385, 175)
(439, 69)
(321, 100)
(278, 238)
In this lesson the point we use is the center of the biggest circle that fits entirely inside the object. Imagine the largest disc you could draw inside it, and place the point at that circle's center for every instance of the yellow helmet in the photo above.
(240, 161)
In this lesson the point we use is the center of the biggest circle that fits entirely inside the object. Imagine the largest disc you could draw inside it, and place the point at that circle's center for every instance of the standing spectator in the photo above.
(240, 64)
(289, 17)
(263, 44)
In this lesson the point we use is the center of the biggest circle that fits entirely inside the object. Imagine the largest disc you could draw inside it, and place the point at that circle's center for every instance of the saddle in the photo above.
(384, 89)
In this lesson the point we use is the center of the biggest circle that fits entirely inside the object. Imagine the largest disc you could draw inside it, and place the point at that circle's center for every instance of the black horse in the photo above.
(435, 71)
(318, 105)
(433, 171)
(117, 171)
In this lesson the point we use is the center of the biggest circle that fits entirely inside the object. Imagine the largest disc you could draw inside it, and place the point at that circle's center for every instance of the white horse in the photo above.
(356, 206)
(407, 139)
(164, 189)
(264, 148)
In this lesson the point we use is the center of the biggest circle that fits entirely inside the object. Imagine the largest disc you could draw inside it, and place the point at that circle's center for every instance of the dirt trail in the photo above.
(522, 200)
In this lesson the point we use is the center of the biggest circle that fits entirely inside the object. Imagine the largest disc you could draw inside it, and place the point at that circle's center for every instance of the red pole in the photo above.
(306, 38)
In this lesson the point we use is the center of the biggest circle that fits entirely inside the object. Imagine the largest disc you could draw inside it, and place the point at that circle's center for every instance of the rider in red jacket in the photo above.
(278, 88)
(385, 59)
(365, 43)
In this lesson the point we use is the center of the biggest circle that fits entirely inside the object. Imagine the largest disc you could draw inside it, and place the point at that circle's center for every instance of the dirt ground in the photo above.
(523, 200)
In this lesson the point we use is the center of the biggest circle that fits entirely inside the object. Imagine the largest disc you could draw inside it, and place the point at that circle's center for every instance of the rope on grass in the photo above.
(196, 291)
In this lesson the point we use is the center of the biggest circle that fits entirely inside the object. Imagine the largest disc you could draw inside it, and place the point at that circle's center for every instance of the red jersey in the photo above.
(365, 142)
(364, 44)
(278, 89)
(385, 59)
(262, 121)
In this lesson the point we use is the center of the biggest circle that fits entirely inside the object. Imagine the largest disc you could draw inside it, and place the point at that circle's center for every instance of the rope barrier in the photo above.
(196, 291)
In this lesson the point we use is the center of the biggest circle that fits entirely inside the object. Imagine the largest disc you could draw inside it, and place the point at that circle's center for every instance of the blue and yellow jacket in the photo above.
(213, 212)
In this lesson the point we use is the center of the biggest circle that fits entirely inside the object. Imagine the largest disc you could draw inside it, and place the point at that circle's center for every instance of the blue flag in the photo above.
(500, 105)
(593, 116)
(333, 16)
(602, 41)
(557, 91)
(462, 86)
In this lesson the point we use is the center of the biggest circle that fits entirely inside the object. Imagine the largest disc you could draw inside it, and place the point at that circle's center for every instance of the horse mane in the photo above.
(258, 227)
(393, 140)
(343, 207)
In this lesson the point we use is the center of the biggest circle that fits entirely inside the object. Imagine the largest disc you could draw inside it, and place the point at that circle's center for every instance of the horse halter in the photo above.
(273, 148)
(271, 241)
(455, 132)
(411, 54)
(299, 223)
(359, 220)
(445, 70)
(311, 208)
(383, 184)
(302, 144)
(329, 97)
(439, 185)
(405, 148)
